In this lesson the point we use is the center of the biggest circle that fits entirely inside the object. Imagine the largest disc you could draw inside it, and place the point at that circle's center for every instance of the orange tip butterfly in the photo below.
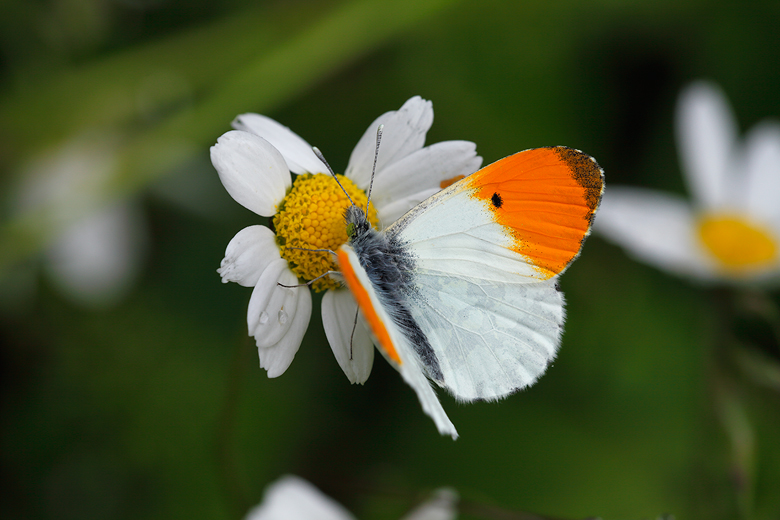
(462, 290)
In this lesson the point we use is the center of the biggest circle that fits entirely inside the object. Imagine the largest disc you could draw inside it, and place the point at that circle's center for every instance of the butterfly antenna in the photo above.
(321, 157)
(373, 171)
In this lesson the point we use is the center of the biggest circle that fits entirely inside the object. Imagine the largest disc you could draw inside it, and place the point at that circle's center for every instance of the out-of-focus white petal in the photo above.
(62, 185)
(442, 506)
(296, 152)
(95, 261)
(271, 306)
(655, 228)
(338, 316)
(292, 498)
(277, 358)
(253, 172)
(404, 132)
(706, 136)
(247, 255)
(762, 172)
(404, 184)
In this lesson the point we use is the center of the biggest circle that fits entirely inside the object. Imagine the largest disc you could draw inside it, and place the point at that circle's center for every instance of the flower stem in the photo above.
(235, 493)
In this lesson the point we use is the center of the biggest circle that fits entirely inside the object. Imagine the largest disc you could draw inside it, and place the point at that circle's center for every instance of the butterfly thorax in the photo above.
(383, 258)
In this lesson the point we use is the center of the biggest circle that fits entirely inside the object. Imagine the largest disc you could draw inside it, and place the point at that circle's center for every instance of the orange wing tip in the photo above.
(545, 198)
(587, 173)
(366, 305)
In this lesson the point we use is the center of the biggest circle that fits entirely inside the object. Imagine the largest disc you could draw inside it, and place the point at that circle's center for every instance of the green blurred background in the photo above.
(151, 404)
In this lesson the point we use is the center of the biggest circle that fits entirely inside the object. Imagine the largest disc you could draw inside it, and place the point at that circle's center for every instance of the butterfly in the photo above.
(462, 290)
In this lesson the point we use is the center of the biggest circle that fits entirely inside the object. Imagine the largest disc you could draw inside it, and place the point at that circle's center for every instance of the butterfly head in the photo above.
(357, 223)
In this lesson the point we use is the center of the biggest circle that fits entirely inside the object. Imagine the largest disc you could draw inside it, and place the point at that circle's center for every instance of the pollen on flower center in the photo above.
(311, 216)
(738, 244)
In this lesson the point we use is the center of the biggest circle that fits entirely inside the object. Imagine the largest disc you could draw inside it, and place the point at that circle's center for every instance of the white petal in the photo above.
(404, 184)
(762, 175)
(252, 171)
(272, 307)
(404, 132)
(706, 135)
(442, 506)
(397, 208)
(655, 228)
(355, 354)
(97, 259)
(277, 358)
(261, 295)
(296, 152)
(247, 255)
(292, 498)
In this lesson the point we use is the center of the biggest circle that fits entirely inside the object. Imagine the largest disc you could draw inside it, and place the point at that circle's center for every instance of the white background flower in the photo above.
(254, 164)
(292, 498)
(97, 245)
(730, 230)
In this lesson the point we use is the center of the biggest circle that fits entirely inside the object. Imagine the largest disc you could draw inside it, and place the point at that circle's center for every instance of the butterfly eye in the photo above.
(351, 230)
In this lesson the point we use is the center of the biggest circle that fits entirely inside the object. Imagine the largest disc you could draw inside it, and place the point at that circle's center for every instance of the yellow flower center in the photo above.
(738, 244)
(311, 216)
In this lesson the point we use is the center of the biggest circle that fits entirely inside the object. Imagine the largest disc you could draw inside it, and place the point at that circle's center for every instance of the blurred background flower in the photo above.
(730, 231)
(292, 498)
(93, 246)
(727, 234)
(149, 404)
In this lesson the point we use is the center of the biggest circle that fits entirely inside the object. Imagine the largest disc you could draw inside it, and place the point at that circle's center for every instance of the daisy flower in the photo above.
(97, 246)
(292, 498)
(730, 231)
(254, 162)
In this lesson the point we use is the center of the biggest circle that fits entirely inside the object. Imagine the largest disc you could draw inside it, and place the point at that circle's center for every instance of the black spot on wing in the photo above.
(497, 200)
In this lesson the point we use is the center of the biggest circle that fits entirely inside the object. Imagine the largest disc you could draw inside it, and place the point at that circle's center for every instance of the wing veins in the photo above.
(460, 232)
(493, 298)
(485, 343)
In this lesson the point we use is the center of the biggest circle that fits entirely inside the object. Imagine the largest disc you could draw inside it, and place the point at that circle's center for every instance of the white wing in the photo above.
(487, 252)
(490, 339)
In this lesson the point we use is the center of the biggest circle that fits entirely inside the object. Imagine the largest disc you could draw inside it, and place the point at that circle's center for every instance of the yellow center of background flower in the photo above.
(738, 244)
(310, 217)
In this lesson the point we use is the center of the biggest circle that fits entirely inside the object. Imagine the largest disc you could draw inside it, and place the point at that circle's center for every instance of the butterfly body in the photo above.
(390, 268)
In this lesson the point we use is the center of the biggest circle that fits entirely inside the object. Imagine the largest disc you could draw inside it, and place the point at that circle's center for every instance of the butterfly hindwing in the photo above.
(490, 339)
